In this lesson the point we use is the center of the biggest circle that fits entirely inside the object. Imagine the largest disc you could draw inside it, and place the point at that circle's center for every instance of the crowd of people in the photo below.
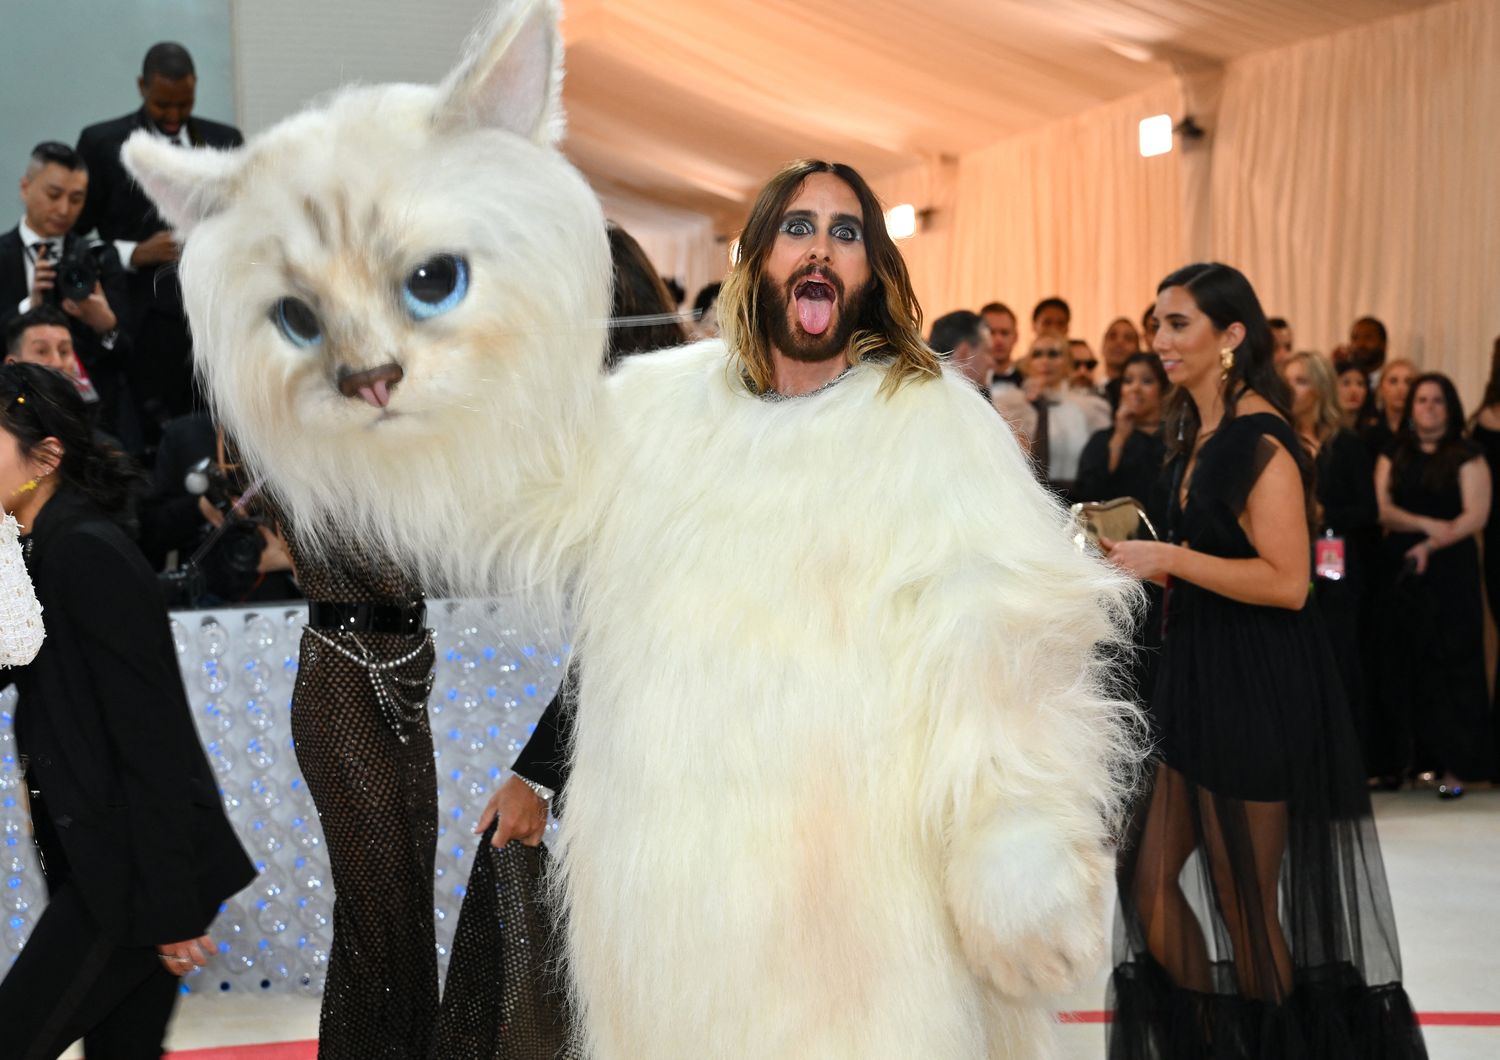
(1403, 482)
(1257, 462)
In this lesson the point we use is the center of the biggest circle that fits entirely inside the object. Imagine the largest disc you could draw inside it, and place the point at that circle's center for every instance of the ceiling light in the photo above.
(901, 221)
(1156, 135)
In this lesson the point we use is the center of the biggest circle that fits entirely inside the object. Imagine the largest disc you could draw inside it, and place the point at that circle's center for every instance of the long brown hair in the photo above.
(1328, 417)
(889, 326)
(1453, 450)
(1492, 388)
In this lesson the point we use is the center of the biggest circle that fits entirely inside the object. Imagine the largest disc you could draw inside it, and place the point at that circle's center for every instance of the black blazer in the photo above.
(544, 759)
(103, 717)
(112, 278)
(118, 208)
(116, 205)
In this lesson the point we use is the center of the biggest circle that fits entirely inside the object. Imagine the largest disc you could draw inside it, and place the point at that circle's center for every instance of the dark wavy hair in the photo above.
(1453, 450)
(641, 294)
(1492, 388)
(1222, 294)
(889, 324)
(37, 403)
(1368, 415)
(1153, 362)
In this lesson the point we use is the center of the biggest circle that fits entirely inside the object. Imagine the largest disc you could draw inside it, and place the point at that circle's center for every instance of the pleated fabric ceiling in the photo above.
(690, 104)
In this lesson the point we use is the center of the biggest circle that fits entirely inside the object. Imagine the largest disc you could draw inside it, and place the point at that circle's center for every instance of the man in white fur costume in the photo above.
(843, 761)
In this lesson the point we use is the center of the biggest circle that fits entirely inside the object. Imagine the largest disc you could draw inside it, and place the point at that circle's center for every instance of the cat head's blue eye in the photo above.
(435, 286)
(297, 322)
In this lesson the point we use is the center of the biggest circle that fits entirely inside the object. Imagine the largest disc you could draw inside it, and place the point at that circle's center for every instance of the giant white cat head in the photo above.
(396, 295)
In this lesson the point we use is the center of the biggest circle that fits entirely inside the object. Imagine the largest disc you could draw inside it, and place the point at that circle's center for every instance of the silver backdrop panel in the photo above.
(496, 671)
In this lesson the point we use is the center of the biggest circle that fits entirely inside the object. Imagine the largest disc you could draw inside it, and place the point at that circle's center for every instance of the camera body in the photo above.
(222, 486)
(77, 273)
(231, 565)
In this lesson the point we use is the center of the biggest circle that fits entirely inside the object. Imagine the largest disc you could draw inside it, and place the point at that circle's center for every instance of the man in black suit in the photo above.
(161, 370)
(53, 190)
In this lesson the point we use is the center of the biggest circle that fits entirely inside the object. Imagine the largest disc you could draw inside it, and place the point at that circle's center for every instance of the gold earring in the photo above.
(1226, 358)
(27, 487)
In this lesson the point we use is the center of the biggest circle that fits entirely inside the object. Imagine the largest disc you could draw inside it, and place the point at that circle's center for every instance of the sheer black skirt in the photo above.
(1255, 920)
(505, 997)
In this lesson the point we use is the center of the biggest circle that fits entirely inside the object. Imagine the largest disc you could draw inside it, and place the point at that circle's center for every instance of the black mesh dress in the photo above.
(505, 997)
(1277, 939)
(366, 752)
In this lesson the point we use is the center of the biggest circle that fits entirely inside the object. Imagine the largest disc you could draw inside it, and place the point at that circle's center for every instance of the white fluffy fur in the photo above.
(399, 173)
(842, 755)
(843, 763)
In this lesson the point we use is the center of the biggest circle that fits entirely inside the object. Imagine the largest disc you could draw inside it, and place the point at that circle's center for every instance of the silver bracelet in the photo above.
(542, 791)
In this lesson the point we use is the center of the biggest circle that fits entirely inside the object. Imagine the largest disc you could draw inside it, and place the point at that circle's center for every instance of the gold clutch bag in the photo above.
(1121, 519)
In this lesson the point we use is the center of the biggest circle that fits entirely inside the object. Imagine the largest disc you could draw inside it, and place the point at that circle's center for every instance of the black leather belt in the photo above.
(366, 618)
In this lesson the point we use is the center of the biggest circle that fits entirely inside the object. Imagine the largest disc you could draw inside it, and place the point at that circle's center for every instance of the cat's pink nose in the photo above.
(372, 384)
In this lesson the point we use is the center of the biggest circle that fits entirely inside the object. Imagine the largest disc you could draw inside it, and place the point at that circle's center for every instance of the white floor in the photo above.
(1443, 861)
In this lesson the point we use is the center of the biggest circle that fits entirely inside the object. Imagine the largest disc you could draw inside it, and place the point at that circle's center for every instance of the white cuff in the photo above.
(125, 248)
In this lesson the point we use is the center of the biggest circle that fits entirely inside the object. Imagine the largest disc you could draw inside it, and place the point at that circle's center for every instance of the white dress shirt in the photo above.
(29, 239)
(1072, 418)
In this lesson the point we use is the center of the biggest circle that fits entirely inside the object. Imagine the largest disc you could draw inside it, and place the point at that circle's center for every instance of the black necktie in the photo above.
(1041, 445)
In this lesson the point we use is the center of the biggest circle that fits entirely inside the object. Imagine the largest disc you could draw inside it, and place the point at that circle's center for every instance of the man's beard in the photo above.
(784, 329)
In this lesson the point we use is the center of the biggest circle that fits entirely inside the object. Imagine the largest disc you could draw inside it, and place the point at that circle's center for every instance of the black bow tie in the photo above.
(1013, 377)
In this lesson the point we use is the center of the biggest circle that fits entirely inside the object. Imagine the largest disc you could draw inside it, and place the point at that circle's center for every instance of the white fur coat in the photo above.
(840, 758)
(843, 758)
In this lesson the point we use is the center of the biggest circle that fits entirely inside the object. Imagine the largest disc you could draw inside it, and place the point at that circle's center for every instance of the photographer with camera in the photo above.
(201, 507)
(43, 262)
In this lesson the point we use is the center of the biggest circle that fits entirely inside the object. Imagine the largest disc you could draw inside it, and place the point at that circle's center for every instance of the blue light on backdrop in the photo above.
(495, 674)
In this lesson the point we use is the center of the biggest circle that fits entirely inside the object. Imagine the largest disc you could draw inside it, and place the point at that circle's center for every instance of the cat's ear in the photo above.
(186, 184)
(511, 75)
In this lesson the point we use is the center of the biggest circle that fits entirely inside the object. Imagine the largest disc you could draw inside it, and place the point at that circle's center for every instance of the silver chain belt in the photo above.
(402, 700)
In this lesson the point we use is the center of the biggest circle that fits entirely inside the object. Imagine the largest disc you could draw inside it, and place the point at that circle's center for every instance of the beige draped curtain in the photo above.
(1070, 209)
(1360, 173)
(1356, 173)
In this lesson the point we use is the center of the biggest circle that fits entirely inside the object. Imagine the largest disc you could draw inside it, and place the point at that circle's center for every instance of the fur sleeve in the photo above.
(1030, 754)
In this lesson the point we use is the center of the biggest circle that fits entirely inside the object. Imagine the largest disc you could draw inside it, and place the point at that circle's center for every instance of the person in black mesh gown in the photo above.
(359, 719)
(1279, 940)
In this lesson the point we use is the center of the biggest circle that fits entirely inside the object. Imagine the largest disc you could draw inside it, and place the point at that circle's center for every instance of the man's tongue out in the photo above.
(815, 308)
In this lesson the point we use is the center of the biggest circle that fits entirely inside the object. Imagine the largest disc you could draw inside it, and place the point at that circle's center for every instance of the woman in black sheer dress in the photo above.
(1346, 540)
(359, 721)
(1434, 491)
(1485, 433)
(1279, 940)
